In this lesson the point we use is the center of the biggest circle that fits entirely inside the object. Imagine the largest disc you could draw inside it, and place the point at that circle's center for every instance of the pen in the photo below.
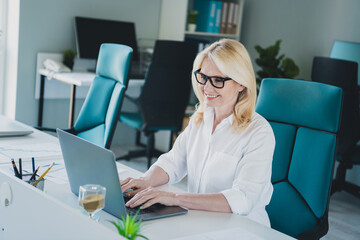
(15, 168)
(34, 174)
(20, 168)
(33, 163)
(43, 175)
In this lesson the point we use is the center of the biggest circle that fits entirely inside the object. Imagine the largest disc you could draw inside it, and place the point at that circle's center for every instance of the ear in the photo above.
(240, 88)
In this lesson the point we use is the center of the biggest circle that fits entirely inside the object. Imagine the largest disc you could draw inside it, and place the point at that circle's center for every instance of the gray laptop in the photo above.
(10, 128)
(87, 163)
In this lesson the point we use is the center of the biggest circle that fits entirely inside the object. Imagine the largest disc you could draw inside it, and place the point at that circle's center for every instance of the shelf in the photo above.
(206, 34)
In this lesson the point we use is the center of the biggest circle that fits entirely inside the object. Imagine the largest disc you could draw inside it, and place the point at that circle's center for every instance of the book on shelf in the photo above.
(209, 15)
(224, 13)
(216, 16)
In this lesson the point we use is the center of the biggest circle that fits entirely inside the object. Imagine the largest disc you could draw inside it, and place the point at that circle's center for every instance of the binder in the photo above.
(207, 20)
(218, 7)
(230, 18)
(235, 18)
(224, 17)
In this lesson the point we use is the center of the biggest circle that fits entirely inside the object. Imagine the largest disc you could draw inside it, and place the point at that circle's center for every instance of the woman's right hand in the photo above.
(135, 185)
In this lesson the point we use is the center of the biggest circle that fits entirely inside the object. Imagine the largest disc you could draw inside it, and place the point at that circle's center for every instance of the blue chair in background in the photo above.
(304, 116)
(100, 112)
(349, 51)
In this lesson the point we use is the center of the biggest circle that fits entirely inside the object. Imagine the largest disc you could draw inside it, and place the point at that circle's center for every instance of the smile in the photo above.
(210, 96)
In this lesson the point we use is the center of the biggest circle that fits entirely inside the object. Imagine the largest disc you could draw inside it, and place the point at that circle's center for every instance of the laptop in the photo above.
(10, 128)
(87, 163)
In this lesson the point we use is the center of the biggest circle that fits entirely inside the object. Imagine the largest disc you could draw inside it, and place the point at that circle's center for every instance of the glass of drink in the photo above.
(92, 198)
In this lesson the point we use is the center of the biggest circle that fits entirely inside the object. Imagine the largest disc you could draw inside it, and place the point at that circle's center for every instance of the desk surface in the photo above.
(75, 78)
(193, 225)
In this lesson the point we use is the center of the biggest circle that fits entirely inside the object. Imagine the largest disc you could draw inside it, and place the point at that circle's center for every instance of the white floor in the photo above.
(344, 210)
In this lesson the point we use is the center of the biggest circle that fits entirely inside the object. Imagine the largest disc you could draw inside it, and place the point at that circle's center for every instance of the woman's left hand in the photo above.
(150, 196)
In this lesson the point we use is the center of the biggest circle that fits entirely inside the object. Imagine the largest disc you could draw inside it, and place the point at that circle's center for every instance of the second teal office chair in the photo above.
(304, 116)
(100, 112)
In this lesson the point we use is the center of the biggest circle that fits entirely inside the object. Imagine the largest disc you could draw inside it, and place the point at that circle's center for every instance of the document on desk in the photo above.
(40, 151)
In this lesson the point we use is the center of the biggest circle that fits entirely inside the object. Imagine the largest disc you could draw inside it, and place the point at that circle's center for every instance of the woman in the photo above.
(226, 151)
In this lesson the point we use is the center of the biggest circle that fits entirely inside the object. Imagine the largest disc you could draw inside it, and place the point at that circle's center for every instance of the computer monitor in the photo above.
(91, 33)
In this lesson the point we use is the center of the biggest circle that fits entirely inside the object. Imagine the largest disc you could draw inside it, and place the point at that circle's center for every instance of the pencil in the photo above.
(15, 168)
(34, 174)
(20, 168)
(33, 163)
(43, 175)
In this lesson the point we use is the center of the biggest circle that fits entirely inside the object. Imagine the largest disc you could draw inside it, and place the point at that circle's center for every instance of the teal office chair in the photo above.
(164, 96)
(304, 116)
(100, 112)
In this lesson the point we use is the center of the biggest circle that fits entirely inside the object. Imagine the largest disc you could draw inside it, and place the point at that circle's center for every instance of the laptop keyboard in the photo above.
(150, 209)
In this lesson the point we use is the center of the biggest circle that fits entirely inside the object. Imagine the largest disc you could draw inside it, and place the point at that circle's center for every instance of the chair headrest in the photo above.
(298, 102)
(114, 61)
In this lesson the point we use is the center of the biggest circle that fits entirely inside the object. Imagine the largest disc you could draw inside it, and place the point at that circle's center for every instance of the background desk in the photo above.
(75, 79)
(55, 215)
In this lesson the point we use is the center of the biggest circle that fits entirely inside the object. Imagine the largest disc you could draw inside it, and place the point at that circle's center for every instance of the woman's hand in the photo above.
(150, 196)
(136, 184)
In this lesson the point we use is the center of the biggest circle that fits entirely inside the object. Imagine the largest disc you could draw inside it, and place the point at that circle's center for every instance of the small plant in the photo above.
(274, 66)
(192, 16)
(128, 228)
(69, 56)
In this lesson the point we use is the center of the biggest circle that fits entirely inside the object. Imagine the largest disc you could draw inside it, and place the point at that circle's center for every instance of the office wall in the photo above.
(48, 26)
(308, 28)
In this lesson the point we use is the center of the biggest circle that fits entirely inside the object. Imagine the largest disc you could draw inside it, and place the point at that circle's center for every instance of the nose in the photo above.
(208, 85)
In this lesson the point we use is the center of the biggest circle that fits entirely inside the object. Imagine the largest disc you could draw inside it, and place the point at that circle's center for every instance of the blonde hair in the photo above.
(233, 60)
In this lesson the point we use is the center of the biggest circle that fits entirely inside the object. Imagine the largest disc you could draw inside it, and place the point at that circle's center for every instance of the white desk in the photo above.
(54, 214)
(74, 79)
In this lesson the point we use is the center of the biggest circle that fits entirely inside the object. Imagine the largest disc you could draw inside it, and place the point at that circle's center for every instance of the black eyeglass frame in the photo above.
(223, 80)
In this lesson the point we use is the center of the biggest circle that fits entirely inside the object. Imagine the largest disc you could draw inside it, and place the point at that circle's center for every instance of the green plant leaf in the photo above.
(274, 66)
(128, 227)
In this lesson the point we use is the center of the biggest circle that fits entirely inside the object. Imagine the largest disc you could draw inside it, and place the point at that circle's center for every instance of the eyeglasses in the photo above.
(216, 82)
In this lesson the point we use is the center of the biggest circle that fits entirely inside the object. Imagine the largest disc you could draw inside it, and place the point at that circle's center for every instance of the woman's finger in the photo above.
(125, 181)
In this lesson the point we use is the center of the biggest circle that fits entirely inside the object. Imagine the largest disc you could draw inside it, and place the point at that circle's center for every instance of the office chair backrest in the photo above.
(166, 91)
(342, 74)
(349, 51)
(99, 114)
(305, 118)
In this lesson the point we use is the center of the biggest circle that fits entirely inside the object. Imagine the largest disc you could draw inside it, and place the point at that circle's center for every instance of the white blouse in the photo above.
(236, 165)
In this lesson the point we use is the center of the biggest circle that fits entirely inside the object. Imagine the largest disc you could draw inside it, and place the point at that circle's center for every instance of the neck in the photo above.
(220, 115)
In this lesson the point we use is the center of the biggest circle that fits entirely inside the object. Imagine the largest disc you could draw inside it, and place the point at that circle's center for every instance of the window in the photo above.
(3, 18)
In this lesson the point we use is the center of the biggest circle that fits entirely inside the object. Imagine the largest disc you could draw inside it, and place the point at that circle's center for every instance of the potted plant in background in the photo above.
(192, 17)
(128, 227)
(68, 56)
(272, 65)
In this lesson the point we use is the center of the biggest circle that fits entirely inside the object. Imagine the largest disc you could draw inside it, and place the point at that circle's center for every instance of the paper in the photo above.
(40, 151)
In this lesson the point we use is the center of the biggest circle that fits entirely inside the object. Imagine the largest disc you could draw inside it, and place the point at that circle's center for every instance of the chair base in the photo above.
(339, 183)
(140, 153)
(347, 187)
(149, 152)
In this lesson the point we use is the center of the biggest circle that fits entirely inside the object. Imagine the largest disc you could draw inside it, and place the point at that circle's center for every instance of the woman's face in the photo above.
(223, 99)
